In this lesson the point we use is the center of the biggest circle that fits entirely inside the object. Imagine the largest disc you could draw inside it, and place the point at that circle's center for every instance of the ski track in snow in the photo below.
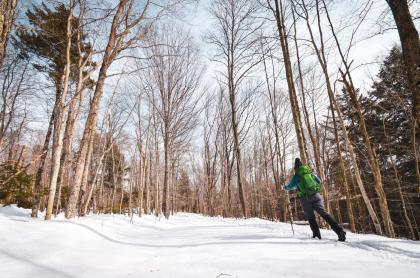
(190, 245)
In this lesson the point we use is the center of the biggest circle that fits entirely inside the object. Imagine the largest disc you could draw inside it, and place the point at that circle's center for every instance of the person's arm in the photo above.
(292, 184)
(317, 179)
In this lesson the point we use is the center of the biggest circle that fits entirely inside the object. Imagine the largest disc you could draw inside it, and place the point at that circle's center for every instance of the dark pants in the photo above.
(314, 202)
(309, 204)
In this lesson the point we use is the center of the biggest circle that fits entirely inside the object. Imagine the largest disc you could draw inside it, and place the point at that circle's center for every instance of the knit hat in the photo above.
(298, 163)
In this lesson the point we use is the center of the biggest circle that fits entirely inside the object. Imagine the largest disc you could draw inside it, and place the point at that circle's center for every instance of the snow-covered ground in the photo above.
(189, 245)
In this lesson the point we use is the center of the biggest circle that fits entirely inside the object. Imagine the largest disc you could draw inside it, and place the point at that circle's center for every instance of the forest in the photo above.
(127, 107)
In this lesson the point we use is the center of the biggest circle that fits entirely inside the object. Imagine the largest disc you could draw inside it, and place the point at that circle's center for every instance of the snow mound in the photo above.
(190, 245)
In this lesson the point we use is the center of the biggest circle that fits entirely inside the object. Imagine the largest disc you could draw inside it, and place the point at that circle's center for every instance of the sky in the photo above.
(371, 43)
(369, 49)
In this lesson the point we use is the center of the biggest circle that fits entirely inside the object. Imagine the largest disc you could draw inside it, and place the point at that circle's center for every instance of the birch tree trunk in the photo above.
(67, 146)
(59, 120)
(111, 51)
(40, 170)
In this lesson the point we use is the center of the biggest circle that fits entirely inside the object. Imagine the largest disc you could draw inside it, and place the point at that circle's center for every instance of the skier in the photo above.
(308, 186)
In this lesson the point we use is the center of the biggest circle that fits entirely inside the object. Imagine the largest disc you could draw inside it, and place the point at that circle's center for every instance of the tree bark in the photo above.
(110, 53)
(279, 16)
(237, 147)
(166, 174)
(59, 120)
(7, 20)
(40, 170)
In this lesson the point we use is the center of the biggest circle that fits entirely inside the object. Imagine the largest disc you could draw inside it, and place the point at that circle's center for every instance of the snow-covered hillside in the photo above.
(190, 245)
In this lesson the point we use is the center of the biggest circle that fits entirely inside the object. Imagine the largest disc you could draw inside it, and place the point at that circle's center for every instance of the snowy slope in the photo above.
(190, 245)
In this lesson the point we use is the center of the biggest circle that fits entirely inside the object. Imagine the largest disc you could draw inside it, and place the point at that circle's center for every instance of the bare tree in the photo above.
(320, 52)
(278, 117)
(172, 76)
(211, 149)
(130, 24)
(278, 11)
(352, 92)
(14, 85)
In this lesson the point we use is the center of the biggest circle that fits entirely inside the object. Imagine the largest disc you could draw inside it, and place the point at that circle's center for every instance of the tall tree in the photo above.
(46, 44)
(278, 11)
(118, 40)
(60, 111)
(320, 52)
(347, 80)
(172, 76)
(387, 106)
(130, 24)
(410, 44)
(235, 42)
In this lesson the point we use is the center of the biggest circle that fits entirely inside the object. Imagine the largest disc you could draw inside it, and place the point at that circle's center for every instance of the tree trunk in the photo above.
(320, 53)
(143, 188)
(148, 176)
(44, 153)
(343, 173)
(234, 121)
(410, 44)
(7, 19)
(414, 236)
(166, 174)
(370, 152)
(130, 195)
(85, 178)
(357, 173)
(156, 178)
(59, 120)
(372, 160)
(88, 133)
(67, 148)
(314, 139)
(279, 15)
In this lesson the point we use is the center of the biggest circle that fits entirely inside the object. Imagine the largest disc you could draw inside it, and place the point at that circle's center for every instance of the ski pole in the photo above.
(290, 213)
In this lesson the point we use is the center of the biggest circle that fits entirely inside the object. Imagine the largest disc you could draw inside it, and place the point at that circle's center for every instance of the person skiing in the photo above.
(308, 186)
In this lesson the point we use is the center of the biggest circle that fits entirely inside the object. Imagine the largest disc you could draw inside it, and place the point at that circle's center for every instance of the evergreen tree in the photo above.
(387, 109)
(44, 40)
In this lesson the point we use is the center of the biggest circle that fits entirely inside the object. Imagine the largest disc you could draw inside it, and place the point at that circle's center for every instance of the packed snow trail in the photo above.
(190, 245)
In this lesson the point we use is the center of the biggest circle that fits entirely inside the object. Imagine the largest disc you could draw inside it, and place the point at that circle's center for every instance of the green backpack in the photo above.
(307, 185)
